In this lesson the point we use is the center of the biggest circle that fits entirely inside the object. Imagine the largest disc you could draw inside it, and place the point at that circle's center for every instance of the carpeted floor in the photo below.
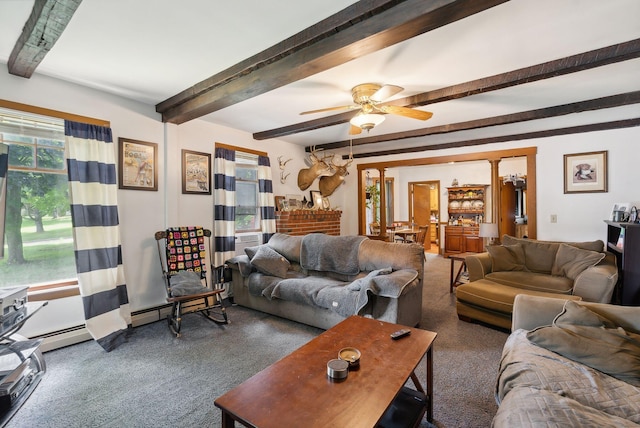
(160, 381)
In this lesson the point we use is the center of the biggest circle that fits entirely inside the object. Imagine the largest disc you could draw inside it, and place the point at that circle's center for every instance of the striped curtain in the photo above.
(266, 199)
(94, 212)
(225, 205)
(4, 167)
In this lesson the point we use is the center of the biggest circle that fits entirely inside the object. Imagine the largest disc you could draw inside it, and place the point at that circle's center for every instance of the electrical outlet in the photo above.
(554, 218)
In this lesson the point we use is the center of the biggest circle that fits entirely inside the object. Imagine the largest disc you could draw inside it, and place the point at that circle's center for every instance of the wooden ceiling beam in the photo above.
(42, 30)
(571, 64)
(592, 127)
(542, 113)
(362, 28)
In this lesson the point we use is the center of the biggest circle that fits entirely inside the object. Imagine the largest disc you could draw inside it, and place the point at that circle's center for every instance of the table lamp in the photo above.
(489, 231)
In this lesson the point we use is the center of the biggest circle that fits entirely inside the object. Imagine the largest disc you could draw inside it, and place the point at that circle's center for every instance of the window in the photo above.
(38, 233)
(247, 207)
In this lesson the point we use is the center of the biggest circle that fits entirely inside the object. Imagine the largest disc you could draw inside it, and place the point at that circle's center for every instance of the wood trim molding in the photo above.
(240, 149)
(53, 113)
(493, 156)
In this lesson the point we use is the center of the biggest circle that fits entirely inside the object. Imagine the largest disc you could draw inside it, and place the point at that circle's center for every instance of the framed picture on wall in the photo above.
(316, 199)
(585, 172)
(196, 173)
(138, 165)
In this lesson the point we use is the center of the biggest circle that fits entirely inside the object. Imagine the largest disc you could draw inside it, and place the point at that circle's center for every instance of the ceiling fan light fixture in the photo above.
(367, 121)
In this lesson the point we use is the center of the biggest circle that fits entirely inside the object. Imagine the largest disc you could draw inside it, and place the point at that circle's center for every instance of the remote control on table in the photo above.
(400, 333)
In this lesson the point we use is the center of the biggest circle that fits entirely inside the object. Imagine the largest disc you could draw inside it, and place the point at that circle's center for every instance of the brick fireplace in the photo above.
(302, 222)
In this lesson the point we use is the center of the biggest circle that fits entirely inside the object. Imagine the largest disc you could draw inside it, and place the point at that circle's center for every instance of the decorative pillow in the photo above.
(571, 261)
(506, 258)
(251, 251)
(270, 262)
(590, 339)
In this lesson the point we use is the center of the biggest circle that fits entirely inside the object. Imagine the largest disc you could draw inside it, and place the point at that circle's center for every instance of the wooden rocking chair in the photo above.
(182, 252)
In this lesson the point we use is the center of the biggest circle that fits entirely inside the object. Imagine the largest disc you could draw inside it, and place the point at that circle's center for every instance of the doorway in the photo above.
(424, 209)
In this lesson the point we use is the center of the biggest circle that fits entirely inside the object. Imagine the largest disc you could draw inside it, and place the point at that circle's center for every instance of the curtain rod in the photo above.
(53, 113)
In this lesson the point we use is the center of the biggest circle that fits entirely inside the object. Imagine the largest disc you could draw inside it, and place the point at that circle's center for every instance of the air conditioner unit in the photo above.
(246, 240)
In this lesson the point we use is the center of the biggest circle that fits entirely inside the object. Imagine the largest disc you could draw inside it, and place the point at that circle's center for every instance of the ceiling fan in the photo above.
(367, 98)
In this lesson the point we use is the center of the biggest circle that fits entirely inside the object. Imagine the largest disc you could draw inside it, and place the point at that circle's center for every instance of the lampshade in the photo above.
(367, 121)
(488, 230)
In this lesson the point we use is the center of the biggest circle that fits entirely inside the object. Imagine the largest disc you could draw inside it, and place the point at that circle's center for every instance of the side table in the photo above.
(455, 280)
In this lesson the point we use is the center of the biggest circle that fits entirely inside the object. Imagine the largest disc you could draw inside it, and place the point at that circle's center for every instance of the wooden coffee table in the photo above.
(297, 390)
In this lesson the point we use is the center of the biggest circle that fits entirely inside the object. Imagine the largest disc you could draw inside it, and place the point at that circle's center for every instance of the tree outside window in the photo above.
(38, 232)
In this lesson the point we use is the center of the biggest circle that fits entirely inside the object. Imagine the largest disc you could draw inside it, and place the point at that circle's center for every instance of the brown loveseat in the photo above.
(573, 270)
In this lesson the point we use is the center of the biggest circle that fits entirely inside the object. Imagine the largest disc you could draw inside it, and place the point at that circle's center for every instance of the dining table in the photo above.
(406, 233)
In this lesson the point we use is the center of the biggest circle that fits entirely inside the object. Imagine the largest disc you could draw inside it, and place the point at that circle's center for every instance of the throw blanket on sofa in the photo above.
(345, 299)
(538, 387)
(338, 254)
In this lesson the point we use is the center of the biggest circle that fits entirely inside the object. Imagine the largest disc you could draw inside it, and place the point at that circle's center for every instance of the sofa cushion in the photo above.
(571, 261)
(540, 255)
(533, 281)
(287, 245)
(269, 261)
(496, 297)
(507, 258)
(590, 339)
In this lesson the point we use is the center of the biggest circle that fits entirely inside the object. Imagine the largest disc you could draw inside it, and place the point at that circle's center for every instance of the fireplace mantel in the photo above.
(302, 222)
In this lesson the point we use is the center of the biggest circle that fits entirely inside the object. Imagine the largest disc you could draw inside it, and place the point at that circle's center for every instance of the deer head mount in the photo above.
(329, 184)
(317, 167)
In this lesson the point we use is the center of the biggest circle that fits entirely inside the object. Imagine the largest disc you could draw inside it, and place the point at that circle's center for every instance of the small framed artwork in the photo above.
(585, 172)
(196, 173)
(633, 215)
(316, 199)
(138, 165)
(294, 201)
(278, 201)
(326, 205)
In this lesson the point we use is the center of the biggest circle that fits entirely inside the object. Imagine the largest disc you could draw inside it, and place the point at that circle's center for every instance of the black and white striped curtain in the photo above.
(266, 199)
(93, 189)
(225, 205)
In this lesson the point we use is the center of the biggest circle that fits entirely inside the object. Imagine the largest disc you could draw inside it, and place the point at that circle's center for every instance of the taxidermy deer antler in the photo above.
(328, 184)
(306, 176)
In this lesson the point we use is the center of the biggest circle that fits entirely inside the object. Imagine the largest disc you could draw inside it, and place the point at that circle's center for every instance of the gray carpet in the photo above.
(160, 381)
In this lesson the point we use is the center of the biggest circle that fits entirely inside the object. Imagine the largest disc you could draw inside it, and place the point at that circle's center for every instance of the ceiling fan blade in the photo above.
(350, 107)
(406, 112)
(385, 92)
(354, 130)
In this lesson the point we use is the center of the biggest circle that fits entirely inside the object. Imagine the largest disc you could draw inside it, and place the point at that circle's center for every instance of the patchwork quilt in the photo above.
(186, 250)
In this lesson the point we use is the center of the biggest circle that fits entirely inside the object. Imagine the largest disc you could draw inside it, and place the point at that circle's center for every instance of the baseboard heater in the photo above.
(78, 334)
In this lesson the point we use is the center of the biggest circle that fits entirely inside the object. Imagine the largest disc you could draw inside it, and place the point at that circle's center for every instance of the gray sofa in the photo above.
(576, 270)
(564, 366)
(320, 280)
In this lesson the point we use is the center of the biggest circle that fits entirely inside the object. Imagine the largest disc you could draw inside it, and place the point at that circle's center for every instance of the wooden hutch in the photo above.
(466, 207)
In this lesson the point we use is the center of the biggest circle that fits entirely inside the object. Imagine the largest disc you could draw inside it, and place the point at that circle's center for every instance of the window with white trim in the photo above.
(38, 233)
(247, 207)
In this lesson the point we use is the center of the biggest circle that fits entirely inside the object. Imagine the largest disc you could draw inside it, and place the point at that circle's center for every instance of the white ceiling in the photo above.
(150, 50)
